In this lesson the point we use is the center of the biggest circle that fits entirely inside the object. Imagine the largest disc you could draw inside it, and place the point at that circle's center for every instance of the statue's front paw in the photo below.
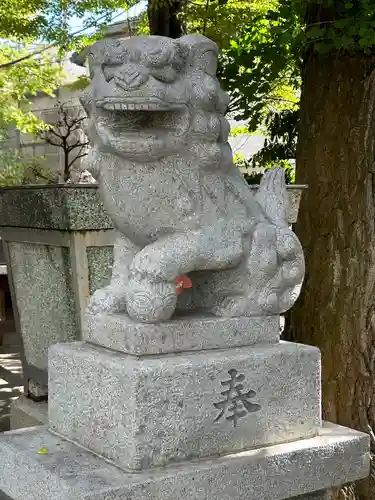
(150, 302)
(107, 300)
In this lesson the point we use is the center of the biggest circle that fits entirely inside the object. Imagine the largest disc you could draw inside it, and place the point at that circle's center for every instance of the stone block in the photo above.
(68, 472)
(57, 262)
(57, 207)
(69, 207)
(44, 297)
(149, 411)
(190, 333)
(26, 413)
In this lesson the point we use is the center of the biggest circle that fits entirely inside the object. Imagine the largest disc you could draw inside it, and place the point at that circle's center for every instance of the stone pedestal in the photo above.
(223, 423)
(277, 472)
(143, 412)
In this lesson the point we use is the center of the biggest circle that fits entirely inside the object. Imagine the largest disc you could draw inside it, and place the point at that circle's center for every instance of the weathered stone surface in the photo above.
(316, 495)
(76, 207)
(153, 410)
(190, 333)
(68, 207)
(67, 472)
(99, 262)
(52, 275)
(43, 283)
(167, 179)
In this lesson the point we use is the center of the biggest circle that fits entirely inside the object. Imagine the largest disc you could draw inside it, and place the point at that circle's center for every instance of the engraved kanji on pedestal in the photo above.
(236, 403)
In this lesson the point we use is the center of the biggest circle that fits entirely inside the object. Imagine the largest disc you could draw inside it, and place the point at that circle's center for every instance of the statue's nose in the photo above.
(130, 77)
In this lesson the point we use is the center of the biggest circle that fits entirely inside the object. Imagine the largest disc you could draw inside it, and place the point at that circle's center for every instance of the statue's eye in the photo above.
(109, 71)
(157, 56)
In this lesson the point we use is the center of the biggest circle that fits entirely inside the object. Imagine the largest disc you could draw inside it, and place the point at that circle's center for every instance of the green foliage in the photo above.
(143, 26)
(259, 65)
(222, 20)
(81, 83)
(261, 69)
(253, 172)
(17, 170)
(20, 19)
(234, 131)
(49, 19)
(343, 25)
(21, 81)
(281, 139)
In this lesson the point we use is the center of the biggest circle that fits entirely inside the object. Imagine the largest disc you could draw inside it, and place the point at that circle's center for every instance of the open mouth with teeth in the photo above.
(113, 104)
(144, 117)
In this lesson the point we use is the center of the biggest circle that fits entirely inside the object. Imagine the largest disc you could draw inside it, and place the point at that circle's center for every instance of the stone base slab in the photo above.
(142, 412)
(26, 413)
(68, 472)
(192, 332)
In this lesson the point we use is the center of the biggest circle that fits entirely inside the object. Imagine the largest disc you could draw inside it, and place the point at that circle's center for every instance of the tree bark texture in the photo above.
(163, 18)
(336, 226)
(66, 166)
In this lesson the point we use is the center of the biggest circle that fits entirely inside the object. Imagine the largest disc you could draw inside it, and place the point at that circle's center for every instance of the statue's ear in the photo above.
(202, 53)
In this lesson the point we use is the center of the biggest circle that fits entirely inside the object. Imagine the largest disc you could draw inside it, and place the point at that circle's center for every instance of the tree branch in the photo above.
(28, 56)
(54, 132)
(49, 141)
(78, 144)
(77, 158)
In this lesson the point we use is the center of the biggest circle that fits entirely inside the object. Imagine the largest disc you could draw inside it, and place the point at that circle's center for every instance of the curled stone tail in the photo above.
(273, 198)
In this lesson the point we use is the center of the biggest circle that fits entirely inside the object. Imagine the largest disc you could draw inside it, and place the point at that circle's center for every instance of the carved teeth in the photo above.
(109, 106)
(120, 106)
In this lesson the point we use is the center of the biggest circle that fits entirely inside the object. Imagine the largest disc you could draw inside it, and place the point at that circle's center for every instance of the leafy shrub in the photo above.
(17, 170)
(253, 170)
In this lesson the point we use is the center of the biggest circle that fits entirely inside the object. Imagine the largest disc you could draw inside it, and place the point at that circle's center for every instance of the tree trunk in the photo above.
(163, 18)
(66, 166)
(336, 310)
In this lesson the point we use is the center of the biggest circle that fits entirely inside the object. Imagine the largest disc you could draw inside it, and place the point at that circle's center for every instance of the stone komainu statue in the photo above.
(168, 181)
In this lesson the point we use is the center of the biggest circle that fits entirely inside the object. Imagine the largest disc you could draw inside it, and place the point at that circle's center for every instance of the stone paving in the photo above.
(10, 372)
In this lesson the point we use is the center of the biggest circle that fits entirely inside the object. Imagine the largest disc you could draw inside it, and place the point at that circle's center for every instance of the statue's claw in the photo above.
(150, 302)
(230, 306)
(107, 299)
